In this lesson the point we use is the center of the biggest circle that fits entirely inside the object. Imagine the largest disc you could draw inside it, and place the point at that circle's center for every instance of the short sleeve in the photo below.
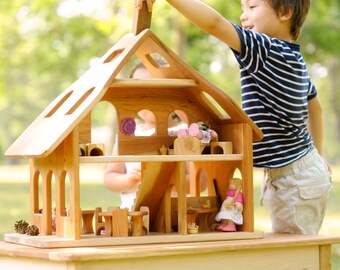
(312, 93)
(255, 49)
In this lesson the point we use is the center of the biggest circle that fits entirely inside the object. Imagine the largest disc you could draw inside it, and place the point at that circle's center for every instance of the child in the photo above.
(280, 98)
(231, 209)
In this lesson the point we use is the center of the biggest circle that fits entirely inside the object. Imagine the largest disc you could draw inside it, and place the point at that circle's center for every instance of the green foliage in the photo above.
(15, 194)
(45, 45)
(322, 30)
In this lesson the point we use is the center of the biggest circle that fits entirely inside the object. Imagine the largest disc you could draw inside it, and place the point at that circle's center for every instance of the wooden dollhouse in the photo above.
(52, 144)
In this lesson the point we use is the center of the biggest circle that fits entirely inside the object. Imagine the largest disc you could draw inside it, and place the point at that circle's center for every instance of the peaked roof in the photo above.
(61, 116)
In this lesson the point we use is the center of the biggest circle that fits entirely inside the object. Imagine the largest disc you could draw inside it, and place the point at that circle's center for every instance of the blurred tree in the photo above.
(45, 45)
(320, 39)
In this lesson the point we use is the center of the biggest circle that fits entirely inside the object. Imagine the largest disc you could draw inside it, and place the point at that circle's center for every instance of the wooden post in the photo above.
(247, 180)
(142, 19)
(180, 178)
(325, 252)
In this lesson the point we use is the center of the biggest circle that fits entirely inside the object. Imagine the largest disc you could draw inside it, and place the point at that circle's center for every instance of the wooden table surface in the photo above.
(270, 241)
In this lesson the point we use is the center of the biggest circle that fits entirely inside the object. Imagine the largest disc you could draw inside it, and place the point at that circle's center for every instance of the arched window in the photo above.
(103, 128)
(145, 123)
(177, 120)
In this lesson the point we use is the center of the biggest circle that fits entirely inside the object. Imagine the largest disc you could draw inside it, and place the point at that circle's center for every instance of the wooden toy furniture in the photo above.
(137, 222)
(202, 214)
(116, 222)
(99, 222)
(51, 142)
(87, 216)
(221, 148)
(95, 149)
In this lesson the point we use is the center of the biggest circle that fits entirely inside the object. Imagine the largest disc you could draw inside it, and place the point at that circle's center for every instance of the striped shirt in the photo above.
(276, 88)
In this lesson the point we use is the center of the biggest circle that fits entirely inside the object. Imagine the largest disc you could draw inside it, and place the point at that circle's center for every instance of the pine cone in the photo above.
(32, 230)
(21, 226)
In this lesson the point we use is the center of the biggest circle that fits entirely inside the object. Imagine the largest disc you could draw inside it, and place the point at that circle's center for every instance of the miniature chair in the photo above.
(99, 223)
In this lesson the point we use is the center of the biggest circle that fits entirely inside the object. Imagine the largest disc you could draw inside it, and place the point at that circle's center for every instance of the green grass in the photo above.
(15, 200)
(15, 194)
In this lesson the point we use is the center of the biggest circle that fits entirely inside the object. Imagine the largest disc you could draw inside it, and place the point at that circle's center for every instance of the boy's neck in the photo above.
(283, 32)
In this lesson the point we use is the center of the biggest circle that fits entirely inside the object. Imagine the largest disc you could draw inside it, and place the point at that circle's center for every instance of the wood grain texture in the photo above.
(274, 251)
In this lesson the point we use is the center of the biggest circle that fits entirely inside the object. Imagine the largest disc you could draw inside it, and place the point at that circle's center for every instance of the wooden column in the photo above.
(141, 20)
(180, 184)
(247, 175)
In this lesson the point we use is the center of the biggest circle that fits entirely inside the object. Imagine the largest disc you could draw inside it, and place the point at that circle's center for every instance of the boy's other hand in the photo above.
(149, 4)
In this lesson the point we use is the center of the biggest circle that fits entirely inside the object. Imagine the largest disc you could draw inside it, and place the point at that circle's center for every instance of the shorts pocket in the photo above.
(315, 192)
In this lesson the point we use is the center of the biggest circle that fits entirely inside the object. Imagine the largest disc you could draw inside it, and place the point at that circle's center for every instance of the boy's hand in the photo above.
(149, 3)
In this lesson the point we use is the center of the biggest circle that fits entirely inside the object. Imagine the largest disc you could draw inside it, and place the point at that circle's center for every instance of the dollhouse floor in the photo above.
(51, 241)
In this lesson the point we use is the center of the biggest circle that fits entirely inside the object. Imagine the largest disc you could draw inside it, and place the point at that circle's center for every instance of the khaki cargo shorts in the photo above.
(297, 195)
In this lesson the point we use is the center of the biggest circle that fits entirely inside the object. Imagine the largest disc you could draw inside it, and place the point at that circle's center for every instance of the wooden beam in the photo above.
(142, 19)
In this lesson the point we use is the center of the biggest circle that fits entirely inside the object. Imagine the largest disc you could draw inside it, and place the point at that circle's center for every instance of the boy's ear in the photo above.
(286, 15)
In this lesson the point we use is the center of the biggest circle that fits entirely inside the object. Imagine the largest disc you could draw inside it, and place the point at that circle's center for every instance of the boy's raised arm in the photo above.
(205, 18)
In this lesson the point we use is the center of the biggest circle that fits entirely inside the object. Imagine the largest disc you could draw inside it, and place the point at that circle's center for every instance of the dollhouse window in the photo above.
(113, 56)
(237, 173)
(104, 125)
(59, 104)
(80, 101)
(145, 123)
(202, 182)
(37, 191)
(157, 60)
(177, 120)
(217, 107)
(64, 183)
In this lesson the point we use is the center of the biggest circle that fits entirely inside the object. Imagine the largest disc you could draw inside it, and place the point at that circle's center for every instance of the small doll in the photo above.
(231, 209)
(201, 131)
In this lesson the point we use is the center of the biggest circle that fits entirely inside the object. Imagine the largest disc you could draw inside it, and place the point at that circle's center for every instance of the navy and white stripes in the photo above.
(276, 88)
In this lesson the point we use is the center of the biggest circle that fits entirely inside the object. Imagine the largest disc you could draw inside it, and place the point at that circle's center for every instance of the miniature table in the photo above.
(137, 222)
(274, 251)
(203, 215)
(116, 222)
(119, 227)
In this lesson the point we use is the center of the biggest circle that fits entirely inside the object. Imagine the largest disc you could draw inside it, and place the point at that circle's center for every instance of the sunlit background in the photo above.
(45, 45)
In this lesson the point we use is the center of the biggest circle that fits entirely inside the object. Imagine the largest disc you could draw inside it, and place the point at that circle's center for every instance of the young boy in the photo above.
(279, 97)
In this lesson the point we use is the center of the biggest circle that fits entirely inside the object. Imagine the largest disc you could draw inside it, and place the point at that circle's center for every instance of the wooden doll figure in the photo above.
(231, 209)
(200, 130)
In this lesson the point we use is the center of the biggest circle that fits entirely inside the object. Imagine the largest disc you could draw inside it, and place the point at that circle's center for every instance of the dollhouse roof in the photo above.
(67, 111)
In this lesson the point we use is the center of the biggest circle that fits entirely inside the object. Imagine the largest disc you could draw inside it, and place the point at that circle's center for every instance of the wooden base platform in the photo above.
(274, 251)
(91, 240)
